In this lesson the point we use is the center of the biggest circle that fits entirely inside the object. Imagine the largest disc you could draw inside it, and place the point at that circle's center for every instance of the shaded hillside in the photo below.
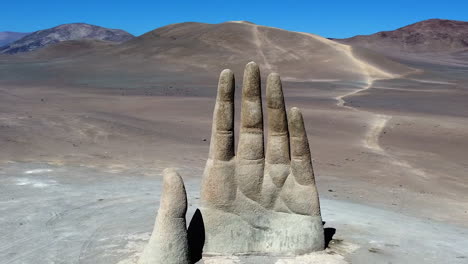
(76, 31)
(70, 48)
(433, 35)
(7, 37)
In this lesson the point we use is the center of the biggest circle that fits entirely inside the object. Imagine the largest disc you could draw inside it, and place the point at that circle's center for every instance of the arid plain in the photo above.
(86, 128)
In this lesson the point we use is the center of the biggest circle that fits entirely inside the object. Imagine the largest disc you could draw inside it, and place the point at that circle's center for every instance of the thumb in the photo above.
(168, 243)
(174, 197)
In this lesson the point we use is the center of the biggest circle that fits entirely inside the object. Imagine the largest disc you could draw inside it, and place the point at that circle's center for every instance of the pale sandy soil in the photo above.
(58, 214)
(392, 178)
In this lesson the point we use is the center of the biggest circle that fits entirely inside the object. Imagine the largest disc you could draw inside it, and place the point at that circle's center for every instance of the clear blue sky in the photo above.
(326, 17)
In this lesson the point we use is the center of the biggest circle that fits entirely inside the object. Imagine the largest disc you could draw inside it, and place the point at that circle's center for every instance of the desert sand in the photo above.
(86, 133)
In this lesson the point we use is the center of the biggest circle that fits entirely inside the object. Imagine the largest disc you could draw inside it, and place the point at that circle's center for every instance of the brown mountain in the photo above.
(433, 35)
(205, 49)
(65, 32)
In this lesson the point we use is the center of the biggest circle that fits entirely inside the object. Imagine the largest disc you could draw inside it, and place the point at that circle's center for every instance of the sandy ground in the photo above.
(57, 214)
(93, 196)
(392, 171)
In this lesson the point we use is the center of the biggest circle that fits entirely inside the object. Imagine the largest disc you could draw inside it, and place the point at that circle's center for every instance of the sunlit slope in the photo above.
(189, 53)
(212, 47)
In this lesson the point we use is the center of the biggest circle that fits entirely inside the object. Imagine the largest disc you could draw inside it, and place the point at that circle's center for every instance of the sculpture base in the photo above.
(261, 232)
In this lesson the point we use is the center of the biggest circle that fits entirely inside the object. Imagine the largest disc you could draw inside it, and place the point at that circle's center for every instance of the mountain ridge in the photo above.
(188, 49)
(64, 32)
(432, 35)
(7, 37)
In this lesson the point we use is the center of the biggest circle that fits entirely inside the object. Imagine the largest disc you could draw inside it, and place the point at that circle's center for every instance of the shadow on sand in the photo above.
(196, 236)
(328, 233)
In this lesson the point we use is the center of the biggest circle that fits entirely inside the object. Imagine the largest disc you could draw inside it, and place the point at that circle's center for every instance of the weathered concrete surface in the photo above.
(168, 243)
(252, 202)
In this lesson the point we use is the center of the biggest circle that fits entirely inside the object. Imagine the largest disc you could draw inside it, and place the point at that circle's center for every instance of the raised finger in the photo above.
(251, 131)
(301, 162)
(278, 136)
(222, 135)
(250, 153)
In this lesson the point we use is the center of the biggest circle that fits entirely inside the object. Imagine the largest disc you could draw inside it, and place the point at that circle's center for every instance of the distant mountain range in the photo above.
(433, 35)
(8, 37)
(191, 51)
(74, 31)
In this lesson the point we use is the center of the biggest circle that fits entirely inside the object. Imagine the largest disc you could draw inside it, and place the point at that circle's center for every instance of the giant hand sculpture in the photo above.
(251, 202)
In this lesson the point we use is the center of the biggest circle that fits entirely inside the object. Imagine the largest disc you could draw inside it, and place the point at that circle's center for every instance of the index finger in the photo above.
(222, 134)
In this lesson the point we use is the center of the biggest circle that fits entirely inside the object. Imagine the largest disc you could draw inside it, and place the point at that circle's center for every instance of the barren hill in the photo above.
(296, 55)
(7, 37)
(433, 35)
(70, 48)
(75, 31)
(200, 49)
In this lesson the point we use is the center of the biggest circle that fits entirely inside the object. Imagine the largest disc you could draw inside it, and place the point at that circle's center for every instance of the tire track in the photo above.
(379, 122)
(259, 44)
(372, 74)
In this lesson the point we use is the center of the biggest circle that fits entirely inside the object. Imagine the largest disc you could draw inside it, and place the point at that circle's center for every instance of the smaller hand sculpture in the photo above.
(251, 203)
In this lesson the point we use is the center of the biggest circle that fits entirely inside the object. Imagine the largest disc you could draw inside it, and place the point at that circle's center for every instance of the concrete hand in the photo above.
(251, 202)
